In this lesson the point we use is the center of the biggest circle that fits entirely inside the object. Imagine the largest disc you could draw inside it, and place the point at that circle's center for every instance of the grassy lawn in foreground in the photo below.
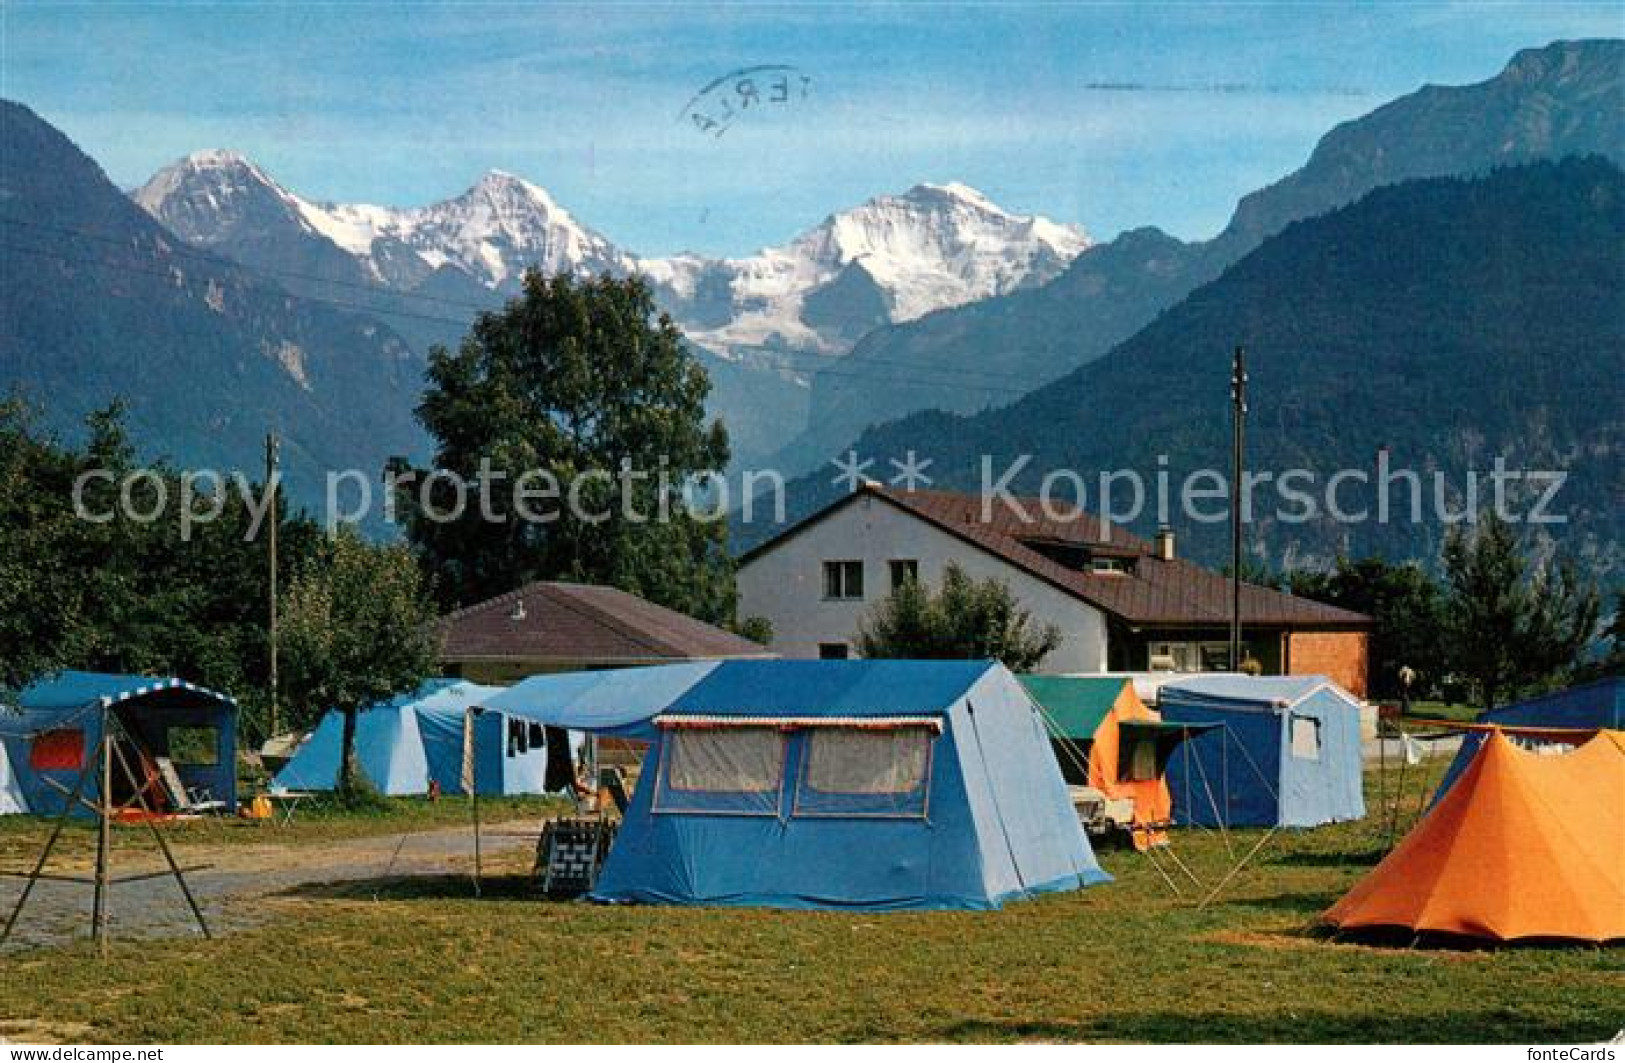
(1445, 710)
(1122, 962)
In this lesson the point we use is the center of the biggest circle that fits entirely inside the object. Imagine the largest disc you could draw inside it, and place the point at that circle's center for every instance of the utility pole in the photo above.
(1238, 420)
(272, 475)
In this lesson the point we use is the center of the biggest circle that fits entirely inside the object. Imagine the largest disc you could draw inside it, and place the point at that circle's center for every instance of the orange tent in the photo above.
(1524, 845)
(1106, 737)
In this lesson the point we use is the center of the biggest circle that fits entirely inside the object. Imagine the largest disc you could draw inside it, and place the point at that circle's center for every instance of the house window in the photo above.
(1188, 656)
(904, 572)
(833, 651)
(843, 580)
(1305, 738)
(1108, 564)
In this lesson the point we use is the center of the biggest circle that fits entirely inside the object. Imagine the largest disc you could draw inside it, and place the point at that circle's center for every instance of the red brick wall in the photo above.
(1341, 656)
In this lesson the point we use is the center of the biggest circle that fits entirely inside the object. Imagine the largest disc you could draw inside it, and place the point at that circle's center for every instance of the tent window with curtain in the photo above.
(849, 771)
(194, 745)
(724, 770)
(59, 750)
(1305, 738)
(843, 761)
(1142, 760)
(742, 760)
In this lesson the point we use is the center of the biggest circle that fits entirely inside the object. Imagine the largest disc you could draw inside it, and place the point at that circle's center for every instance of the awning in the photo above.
(870, 723)
(1172, 726)
(618, 702)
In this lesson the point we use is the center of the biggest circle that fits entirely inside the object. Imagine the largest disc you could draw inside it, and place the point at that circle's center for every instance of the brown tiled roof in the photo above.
(1155, 593)
(578, 622)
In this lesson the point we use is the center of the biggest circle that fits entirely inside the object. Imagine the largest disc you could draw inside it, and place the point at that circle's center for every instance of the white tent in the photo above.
(11, 791)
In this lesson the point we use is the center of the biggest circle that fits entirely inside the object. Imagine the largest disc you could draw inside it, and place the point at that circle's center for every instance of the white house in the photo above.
(1122, 603)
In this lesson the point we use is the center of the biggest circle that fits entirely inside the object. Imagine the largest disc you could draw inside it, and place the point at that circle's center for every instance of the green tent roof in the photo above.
(1074, 705)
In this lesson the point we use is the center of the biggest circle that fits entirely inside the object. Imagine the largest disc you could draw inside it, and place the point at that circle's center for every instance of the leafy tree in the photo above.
(758, 629)
(38, 605)
(357, 628)
(967, 619)
(1510, 625)
(1610, 660)
(1405, 603)
(570, 383)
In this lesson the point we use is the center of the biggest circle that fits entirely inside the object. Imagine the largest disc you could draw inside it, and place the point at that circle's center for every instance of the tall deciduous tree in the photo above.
(356, 629)
(967, 619)
(1509, 624)
(571, 383)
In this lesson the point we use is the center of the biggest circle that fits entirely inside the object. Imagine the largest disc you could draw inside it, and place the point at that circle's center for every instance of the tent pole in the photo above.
(1181, 865)
(104, 835)
(163, 844)
(1382, 765)
(1421, 792)
(1399, 799)
(1165, 877)
(479, 870)
(1237, 869)
(50, 843)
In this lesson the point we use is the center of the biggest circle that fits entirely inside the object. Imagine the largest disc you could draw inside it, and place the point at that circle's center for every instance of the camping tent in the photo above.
(57, 726)
(849, 784)
(1572, 714)
(1287, 753)
(1523, 846)
(404, 743)
(1104, 736)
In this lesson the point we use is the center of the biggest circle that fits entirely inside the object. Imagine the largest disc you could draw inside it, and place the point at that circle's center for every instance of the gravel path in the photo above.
(240, 876)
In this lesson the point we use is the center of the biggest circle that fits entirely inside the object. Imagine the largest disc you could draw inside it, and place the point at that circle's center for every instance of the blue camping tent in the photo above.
(1286, 753)
(403, 743)
(52, 733)
(1583, 709)
(849, 784)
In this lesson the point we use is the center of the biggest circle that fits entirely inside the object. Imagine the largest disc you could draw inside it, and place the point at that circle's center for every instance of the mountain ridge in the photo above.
(207, 355)
(1374, 333)
(1567, 97)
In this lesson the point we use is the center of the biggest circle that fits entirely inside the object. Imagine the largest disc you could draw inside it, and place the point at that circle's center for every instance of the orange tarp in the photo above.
(1153, 803)
(1071, 702)
(1524, 845)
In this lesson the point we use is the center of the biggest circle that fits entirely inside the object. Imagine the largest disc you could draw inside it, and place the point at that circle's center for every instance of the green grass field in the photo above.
(319, 820)
(1129, 961)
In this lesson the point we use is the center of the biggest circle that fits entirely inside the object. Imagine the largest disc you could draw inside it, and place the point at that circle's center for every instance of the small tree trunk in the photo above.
(347, 754)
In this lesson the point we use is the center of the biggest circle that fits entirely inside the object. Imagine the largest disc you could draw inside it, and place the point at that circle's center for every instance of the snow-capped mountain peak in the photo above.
(502, 226)
(887, 260)
(890, 259)
(209, 196)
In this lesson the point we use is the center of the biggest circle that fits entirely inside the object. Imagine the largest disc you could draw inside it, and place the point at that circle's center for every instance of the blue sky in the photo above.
(1112, 116)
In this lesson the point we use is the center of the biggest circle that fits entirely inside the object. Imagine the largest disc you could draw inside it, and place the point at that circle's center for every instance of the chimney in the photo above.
(1164, 544)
